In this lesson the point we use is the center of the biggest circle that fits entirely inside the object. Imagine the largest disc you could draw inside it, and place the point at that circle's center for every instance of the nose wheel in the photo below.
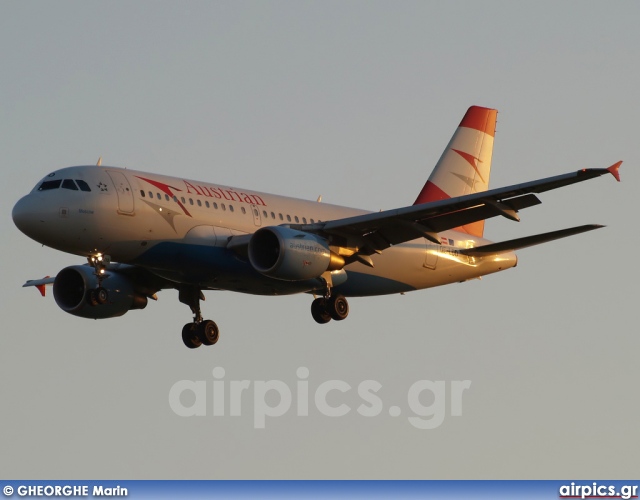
(199, 332)
(99, 295)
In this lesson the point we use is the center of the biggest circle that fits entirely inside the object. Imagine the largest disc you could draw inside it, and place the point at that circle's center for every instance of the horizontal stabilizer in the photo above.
(527, 241)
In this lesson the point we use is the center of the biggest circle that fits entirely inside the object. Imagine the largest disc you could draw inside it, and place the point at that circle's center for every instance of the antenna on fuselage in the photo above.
(99, 164)
(319, 199)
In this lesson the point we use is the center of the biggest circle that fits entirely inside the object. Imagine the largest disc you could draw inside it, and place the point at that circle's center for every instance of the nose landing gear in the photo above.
(99, 295)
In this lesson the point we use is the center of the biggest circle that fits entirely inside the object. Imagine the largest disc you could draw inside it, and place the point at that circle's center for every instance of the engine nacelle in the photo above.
(291, 255)
(73, 284)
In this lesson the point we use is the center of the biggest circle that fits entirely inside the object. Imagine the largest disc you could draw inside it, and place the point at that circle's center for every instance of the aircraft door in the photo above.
(431, 257)
(124, 192)
(256, 215)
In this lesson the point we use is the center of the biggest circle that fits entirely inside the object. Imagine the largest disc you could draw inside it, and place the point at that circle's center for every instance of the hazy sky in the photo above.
(354, 101)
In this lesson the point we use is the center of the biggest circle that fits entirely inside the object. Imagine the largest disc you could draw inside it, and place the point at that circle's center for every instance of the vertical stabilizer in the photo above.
(465, 165)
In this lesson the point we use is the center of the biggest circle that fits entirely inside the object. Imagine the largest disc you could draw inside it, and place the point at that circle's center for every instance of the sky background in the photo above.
(355, 101)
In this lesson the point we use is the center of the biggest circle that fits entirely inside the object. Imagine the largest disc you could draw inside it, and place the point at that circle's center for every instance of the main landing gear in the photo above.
(324, 309)
(200, 331)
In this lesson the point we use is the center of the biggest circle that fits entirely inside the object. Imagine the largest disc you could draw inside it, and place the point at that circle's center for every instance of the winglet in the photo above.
(40, 284)
(42, 288)
(613, 170)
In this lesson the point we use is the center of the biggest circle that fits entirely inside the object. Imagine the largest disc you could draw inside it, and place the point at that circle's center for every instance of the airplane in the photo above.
(142, 233)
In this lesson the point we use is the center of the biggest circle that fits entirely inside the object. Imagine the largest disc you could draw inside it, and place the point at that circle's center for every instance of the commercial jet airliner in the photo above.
(142, 233)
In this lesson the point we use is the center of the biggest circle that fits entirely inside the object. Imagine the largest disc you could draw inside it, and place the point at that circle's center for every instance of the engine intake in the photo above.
(73, 284)
(291, 255)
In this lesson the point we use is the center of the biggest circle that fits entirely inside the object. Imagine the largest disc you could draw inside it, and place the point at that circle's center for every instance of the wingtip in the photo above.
(614, 170)
(42, 288)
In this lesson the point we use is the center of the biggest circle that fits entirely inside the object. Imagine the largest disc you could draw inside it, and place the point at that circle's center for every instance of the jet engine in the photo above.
(290, 255)
(75, 287)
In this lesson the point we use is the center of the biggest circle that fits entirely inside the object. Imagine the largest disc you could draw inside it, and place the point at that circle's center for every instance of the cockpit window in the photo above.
(83, 185)
(47, 185)
(69, 184)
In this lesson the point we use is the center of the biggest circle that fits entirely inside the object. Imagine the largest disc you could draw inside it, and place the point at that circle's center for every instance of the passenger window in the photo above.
(166, 197)
(281, 217)
(158, 196)
(190, 201)
(223, 206)
(312, 221)
(142, 193)
(273, 216)
(69, 184)
(231, 208)
(289, 218)
(304, 220)
(83, 185)
(243, 210)
(264, 212)
(206, 204)
(150, 195)
(297, 220)
(215, 205)
(199, 203)
(183, 200)
(175, 198)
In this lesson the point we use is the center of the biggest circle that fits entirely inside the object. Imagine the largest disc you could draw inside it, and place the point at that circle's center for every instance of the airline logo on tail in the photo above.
(473, 161)
(465, 166)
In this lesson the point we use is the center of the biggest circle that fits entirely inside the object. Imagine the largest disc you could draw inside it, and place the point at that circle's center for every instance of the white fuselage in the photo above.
(179, 229)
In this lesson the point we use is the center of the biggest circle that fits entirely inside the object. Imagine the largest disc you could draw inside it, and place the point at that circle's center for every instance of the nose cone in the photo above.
(25, 216)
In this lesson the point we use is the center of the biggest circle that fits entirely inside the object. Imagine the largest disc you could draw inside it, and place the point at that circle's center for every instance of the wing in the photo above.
(41, 284)
(145, 280)
(372, 233)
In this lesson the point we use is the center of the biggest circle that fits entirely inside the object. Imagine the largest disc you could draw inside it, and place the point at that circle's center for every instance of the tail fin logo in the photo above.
(473, 161)
(467, 180)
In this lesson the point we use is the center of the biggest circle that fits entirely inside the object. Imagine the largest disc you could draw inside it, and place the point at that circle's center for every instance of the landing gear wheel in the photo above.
(92, 299)
(319, 311)
(190, 337)
(101, 295)
(338, 307)
(208, 332)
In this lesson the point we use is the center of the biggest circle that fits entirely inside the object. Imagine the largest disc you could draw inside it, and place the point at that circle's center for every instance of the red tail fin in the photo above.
(465, 166)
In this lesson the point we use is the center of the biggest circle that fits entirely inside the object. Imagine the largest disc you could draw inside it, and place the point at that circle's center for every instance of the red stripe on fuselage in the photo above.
(166, 189)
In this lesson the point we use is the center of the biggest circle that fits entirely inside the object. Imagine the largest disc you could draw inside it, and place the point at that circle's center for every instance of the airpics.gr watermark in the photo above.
(426, 399)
